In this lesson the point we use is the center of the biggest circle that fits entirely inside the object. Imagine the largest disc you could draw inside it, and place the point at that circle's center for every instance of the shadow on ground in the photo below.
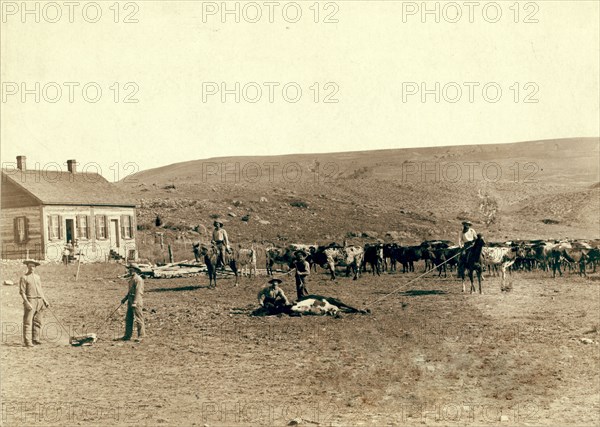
(181, 288)
(421, 292)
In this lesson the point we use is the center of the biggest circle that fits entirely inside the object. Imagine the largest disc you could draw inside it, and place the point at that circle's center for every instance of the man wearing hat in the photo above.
(220, 238)
(466, 238)
(34, 302)
(467, 235)
(302, 269)
(135, 303)
(272, 298)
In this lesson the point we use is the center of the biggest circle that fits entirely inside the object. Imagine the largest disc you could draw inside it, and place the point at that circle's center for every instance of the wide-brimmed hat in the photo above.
(469, 223)
(220, 224)
(275, 281)
(31, 261)
(134, 267)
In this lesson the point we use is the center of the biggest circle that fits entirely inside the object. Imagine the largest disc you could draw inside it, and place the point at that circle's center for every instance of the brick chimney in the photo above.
(72, 165)
(21, 163)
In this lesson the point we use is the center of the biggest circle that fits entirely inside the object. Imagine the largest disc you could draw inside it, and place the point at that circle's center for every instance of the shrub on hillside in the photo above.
(299, 204)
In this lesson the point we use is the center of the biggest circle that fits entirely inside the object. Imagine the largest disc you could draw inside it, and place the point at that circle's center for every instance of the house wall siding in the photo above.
(93, 249)
(33, 247)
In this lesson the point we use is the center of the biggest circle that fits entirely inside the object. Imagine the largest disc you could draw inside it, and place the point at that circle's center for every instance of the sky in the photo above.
(182, 80)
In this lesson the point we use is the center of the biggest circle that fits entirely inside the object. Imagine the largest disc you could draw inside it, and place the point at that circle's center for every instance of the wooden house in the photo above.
(43, 210)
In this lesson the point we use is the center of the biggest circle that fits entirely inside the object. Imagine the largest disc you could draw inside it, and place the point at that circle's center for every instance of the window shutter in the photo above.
(49, 227)
(60, 227)
(131, 226)
(77, 227)
(122, 226)
(97, 218)
(106, 236)
(26, 225)
(87, 227)
(16, 229)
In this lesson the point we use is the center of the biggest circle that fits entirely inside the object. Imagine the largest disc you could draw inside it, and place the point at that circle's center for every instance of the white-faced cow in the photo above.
(499, 257)
(246, 261)
(334, 255)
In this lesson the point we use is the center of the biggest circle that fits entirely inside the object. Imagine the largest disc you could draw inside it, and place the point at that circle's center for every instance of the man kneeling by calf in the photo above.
(272, 299)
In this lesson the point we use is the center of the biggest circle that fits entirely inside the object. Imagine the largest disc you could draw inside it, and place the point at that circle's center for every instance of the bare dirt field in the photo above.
(427, 355)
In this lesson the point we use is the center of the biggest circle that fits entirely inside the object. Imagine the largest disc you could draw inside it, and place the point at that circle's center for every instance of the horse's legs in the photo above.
(234, 268)
(471, 280)
(479, 280)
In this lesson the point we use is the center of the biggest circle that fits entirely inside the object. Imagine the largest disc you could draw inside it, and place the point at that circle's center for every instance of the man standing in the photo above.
(272, 299)
(302, 269)
(135, 303)
(34, 302)
(220, 238)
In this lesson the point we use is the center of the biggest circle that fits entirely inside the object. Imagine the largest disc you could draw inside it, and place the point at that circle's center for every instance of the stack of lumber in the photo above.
(177, 269)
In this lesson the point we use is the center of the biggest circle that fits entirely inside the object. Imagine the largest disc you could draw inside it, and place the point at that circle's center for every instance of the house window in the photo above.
(54, 227)
(126, 226)
(21, 231)
(101, 232)
(83, 230)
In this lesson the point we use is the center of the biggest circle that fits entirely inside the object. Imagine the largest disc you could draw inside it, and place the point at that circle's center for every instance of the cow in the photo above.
(285, 256)
(332, 255)
(211, 259)
(577, 253)
(312, 305)
(524, 256)
(428, 248)
(281, 256)
(388, 256)
(320, 305)
(408, 255)
(442, 257)
(499, 256)
(374, 257)
(246, 261)
(594, 258)
(541, 252)
(555, 254)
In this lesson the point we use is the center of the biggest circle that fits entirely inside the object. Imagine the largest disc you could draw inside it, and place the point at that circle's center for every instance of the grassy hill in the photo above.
(537, 189)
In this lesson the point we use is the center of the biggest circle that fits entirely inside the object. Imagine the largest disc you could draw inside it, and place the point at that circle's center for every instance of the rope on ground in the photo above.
(413, 279)
(59, 322)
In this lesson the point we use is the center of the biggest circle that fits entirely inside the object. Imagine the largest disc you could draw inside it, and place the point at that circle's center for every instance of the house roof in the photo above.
(66, 188)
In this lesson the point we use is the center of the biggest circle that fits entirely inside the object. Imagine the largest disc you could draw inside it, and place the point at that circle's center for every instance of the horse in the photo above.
(213, 261)
(473, 263)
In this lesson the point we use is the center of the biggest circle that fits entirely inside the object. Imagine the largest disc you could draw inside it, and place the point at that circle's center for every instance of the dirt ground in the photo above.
(426, 355)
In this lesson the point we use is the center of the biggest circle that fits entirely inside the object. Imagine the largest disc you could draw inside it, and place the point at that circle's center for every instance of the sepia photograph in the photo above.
(370, 213)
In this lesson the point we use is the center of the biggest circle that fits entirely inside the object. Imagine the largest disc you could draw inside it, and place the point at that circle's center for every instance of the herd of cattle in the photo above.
(497, 258)
(542, 255)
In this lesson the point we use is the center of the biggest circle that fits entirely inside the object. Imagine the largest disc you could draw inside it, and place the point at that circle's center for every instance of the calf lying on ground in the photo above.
(312, 305)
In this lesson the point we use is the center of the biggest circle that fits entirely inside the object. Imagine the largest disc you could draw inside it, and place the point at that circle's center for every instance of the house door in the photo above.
(70, 230)
(114, 234)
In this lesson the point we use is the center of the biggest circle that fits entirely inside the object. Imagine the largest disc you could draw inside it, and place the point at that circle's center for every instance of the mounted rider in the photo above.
(466, 238)
(221, 242)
